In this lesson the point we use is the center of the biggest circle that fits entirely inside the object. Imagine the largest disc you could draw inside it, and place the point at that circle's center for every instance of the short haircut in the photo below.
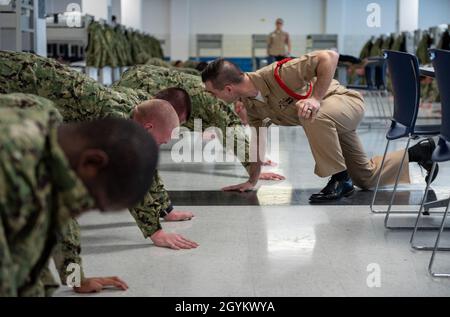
(221, 73)
(201, 66)
(132, 158)
(179, 99)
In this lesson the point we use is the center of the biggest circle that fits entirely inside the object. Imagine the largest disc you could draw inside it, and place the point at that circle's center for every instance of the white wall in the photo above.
(156, 21)
(433, 13)
(131, 13)
(58, 6)
(116, 10)
(97, 8)
(239, 19)
(156, 17)
(357, 32)
(408, 15)
(242, 17)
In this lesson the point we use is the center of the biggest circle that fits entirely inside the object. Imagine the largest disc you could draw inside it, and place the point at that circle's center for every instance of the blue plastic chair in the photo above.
(405, 77)
(441, 62)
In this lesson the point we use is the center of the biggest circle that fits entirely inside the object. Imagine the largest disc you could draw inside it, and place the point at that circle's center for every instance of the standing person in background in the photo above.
(277, 43)
(114, 21)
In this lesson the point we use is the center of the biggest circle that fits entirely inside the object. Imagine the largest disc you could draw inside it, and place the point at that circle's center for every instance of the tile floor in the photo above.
(272, 246)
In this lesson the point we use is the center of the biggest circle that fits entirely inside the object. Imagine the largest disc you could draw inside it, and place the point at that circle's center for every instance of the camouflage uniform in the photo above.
(161, 63)
(123, 47)
(38, 194)
(191, 64)
(422, 49)
(388, 42)
(158, 62)
(399, 43)
(429, 91)
(365, 51)
(115, 46)
(78, 98)
(377, 47)
(212, 111)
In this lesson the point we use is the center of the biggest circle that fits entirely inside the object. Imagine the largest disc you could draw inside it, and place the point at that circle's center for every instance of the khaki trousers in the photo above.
(336, 146)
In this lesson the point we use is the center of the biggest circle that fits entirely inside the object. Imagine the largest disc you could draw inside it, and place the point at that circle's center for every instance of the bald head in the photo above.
(158, 117)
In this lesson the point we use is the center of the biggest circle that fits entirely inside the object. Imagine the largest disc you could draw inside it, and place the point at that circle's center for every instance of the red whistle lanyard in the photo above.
(285, 87)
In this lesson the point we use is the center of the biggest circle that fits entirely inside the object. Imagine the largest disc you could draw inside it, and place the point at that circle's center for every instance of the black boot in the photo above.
(339, 186)
(421, 153)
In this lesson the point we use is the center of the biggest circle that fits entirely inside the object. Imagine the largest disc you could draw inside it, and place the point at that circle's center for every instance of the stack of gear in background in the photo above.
(119, 47)
(375, 47)
(429, 88)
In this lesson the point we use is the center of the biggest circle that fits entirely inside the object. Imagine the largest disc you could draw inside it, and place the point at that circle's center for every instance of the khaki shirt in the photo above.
(279, 107)
(277, 43)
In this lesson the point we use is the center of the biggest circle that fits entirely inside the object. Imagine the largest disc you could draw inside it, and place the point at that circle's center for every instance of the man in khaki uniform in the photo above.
(277, 42)
(328, 112)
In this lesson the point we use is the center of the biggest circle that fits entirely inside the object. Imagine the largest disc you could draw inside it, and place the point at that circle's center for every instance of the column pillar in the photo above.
(179, 29)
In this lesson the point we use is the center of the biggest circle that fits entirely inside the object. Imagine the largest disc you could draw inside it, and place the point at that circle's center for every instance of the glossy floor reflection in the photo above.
(294, 160)
(270, 242)
(294, 197)
(263, 251)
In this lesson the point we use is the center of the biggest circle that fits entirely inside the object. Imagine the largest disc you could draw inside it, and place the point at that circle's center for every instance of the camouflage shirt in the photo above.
(210, 110)
(38, 194)
(152, 79)
(79, 98)
(76, 96)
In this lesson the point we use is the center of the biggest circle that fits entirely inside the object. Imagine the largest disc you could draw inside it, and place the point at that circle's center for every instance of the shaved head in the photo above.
(158, 117)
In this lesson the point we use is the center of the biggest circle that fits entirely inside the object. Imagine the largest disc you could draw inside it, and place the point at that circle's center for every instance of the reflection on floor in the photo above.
(269, 242)
(287, 197)
(263, 251)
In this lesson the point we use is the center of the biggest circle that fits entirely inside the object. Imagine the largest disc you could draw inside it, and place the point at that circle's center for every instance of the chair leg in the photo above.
(390, 105)
(394, 193)
(372, 205)
(380, 98)
(436, 204)
(419, 216)
(436, 247)
(378, 105)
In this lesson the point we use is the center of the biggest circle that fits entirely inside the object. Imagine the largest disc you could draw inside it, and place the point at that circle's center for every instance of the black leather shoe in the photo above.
(424, 151)
(428, 166)
(335, 190)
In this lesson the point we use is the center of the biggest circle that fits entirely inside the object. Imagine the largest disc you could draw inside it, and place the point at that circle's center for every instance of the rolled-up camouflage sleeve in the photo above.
(155, 204)
(68, 251)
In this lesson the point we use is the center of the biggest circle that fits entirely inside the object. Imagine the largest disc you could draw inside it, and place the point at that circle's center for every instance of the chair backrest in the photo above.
(441, 62)
(405, 76)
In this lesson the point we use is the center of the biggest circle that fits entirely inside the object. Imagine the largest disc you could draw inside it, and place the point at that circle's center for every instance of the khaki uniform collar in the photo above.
(260, 84)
